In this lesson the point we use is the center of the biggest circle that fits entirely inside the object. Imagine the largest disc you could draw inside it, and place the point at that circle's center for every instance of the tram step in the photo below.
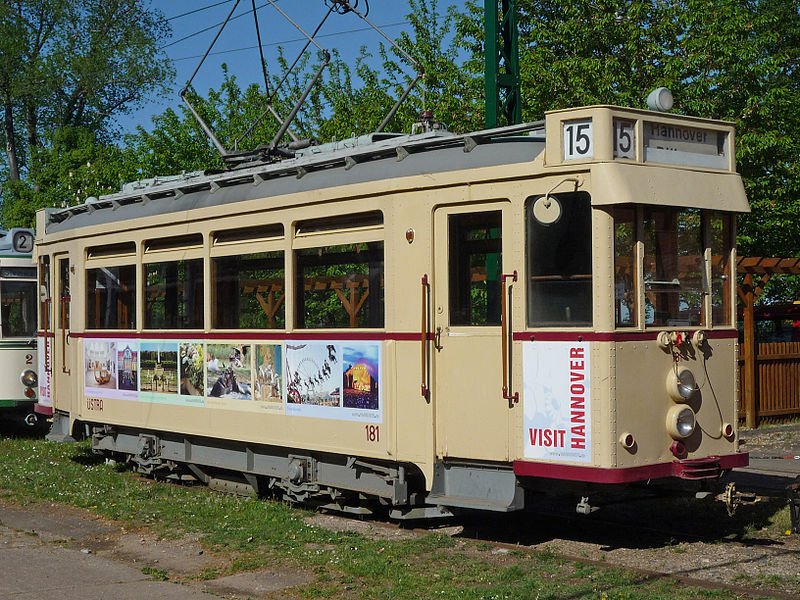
(467, 502)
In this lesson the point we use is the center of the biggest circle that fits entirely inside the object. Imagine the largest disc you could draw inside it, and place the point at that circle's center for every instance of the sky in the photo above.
(195, 23)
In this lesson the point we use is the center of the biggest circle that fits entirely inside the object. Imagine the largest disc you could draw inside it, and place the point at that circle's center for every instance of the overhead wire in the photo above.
(214, 26)
(290, 41)
(197, 10)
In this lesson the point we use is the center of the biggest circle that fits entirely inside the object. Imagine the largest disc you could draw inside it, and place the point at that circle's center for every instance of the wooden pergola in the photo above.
(757, 272)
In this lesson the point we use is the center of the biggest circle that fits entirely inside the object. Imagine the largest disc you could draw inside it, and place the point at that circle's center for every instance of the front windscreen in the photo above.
(18, 307)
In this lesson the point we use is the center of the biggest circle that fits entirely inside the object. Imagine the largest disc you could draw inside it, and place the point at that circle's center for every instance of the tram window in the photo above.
(44, 290)
(18, 307)
(365, 220)
(111, 250)
(111, 298)
(63, 293)
(559, 260)
(625, 296)
(721, 228)
(249, 291)
(180, 242)
(18, 272)
(340, 286)
(475, 258)
(174, 294)
(673, 267)
(248, 234)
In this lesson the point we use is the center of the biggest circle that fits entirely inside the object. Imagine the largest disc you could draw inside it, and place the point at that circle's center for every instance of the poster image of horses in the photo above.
(229, 371)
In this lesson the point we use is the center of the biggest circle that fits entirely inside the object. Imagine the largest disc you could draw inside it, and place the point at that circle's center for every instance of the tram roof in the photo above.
(358, 160)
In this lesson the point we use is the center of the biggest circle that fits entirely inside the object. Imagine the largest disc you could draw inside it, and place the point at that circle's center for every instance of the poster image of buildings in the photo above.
(127, 365)
(229, 371)
(190, 368)
(360, 379)
(158, 363)
(313, 374)
(269, 373)
(100, 364)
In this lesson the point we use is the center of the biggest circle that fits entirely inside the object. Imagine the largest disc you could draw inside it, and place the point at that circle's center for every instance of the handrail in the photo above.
(424, 337)
(507, 395)
(64, 301)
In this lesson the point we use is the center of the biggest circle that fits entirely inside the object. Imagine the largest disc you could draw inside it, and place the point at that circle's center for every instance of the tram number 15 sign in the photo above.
(579, 139)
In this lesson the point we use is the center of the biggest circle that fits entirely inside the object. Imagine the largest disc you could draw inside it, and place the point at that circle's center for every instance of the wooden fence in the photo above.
(777, 374)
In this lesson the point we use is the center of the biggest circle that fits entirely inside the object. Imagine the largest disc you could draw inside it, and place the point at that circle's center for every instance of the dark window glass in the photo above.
(63, 293)
(625, 296)
(44, 284)
(340, 286)
(174, 294)
(673, 267)
(721, 246)
(18, 272)
(111, 298)
(559, 255)
(249, 291)
(18, 305)
(475, 260)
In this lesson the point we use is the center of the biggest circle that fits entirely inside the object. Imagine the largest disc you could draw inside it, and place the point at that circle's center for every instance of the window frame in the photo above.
(706, 275)
(351, 235)
(243, 248)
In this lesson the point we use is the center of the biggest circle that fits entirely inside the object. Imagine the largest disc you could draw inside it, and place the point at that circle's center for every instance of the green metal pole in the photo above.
(501, 71)
(491, 63)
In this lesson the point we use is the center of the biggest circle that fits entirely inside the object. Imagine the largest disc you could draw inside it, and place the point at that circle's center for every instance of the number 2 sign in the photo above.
(578, 139)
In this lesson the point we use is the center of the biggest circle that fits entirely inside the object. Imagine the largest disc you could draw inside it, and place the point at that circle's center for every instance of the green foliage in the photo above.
(72, 166)
(726, 60)
(68, 70)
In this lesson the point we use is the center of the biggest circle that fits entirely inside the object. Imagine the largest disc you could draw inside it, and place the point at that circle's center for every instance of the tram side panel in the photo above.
(114, 386)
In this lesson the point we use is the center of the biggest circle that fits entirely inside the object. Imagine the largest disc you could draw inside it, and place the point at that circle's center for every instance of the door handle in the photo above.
(64, 302)
(424, 337)
(511, 397)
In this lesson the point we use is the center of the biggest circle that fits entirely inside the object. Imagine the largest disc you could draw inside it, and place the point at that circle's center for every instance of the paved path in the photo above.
(774, 457)
(40, 557)
(49, 551)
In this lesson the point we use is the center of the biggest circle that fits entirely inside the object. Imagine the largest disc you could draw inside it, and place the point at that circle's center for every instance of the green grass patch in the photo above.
(249, 533)
(155, 574)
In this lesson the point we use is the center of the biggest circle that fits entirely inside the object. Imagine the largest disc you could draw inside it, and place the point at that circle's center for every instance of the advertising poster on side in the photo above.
(45, 351)
(557, 396)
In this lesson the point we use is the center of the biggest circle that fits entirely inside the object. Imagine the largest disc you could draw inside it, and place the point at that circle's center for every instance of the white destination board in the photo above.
(683, 145)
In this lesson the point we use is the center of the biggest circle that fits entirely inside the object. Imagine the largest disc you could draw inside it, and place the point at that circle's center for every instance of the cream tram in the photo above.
(431, 322)
(18, 356)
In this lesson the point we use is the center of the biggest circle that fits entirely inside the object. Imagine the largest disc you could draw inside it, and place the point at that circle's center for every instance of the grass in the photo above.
(253, 533)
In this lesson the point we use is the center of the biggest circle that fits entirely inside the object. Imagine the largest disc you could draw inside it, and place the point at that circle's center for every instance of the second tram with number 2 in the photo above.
(18, 355)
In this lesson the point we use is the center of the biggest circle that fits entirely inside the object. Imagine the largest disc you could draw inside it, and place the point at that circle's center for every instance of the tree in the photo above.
(726, 60)
(347, 100)
(72, 64)
(70, 166)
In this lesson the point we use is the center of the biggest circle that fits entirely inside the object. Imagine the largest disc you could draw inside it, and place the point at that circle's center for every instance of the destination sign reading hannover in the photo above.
(681, 138)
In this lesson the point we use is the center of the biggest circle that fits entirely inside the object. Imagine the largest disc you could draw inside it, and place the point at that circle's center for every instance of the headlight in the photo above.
(681, 384)
(680, 422)
(29, 378)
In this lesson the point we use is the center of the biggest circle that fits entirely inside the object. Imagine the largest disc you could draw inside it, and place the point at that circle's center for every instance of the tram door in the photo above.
(471, 414)
(61, 361)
